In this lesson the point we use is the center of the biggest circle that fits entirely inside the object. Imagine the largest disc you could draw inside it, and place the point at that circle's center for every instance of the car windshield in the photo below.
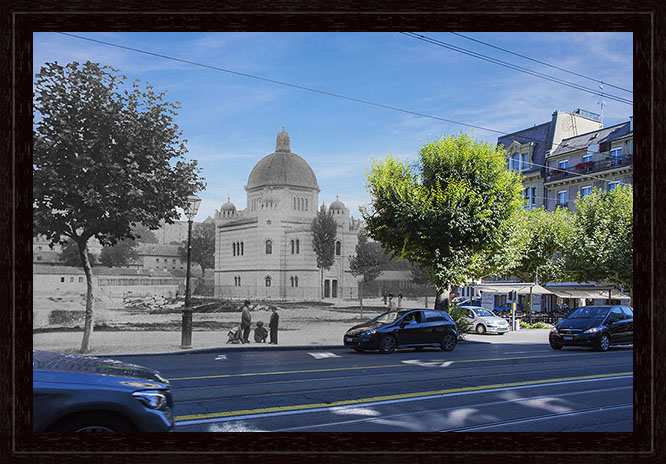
(389, 317)
(484, 313)
(591, 312)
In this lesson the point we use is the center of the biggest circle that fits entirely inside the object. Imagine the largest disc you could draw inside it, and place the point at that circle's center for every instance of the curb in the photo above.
(224, 349)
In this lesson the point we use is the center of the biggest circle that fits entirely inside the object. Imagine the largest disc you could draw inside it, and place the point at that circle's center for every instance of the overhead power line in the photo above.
(216, 68)
(541, 62)
(439, 43)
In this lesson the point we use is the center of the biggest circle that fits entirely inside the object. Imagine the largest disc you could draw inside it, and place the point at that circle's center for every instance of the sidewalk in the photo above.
(324, 336)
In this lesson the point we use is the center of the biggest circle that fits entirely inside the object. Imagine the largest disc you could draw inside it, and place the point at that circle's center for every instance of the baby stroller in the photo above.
(235, 336)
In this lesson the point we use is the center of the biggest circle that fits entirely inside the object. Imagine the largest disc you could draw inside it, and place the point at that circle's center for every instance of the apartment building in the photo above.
(600, 159)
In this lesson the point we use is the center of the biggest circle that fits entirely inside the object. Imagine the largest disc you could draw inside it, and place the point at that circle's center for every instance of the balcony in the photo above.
(589, 167)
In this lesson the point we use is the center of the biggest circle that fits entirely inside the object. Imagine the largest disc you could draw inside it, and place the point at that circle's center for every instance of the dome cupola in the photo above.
(337, 204)
(282, 168)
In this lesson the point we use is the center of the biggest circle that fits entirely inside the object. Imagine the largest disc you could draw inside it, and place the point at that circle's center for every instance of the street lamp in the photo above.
(193, 203)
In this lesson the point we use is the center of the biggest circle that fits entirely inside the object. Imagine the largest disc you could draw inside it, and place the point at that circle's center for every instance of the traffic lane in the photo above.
(293, 393)
(176, 366)
(560, 406)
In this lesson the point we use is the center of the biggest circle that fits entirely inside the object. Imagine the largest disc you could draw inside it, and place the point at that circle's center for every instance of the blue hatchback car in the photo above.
(74, 393)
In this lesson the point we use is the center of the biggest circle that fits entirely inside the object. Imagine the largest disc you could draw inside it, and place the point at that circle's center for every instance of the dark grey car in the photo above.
(74, 393)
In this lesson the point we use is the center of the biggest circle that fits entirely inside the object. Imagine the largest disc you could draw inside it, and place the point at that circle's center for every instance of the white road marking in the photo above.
(221, 357)
(323, 355)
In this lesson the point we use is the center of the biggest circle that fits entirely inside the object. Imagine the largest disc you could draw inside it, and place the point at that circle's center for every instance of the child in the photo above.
(234, 335)
(260, 333)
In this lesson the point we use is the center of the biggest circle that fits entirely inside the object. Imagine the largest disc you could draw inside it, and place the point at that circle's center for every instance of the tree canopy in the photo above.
(69, 255)
(601, 247)
(446, 209)
(203, 246)
(120, 254)
(324, 230)
(107, 156)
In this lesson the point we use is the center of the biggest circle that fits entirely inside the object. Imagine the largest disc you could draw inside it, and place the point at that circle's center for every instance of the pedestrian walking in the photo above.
(391, 303)
(399, 300)
(246, 318)
(273, 326)
(260, 333)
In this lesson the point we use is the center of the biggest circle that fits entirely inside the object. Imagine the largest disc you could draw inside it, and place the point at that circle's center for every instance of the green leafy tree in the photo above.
(602, 245)
(106, 157)
(324, 230)
(420, 276)
(203, 246)
(120, 254)
(446, 210)
(367, 262)
(143, 234)
(69, 255)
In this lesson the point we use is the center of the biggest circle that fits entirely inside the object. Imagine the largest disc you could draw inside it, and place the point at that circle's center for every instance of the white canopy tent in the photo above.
(518, 287)
(610, 293)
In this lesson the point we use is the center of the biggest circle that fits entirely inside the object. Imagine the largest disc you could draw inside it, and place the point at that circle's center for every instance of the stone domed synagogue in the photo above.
(265, 251)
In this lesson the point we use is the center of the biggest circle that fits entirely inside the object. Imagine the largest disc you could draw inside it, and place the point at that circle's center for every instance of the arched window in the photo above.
(269, 247)
(268, 281)
(297, 247)
(295, 281)
(235, 281)
(239, 281)
(292, 247)
(306, 204)
(292, 280)
(234, 248)
(338, 247)
(242, 248)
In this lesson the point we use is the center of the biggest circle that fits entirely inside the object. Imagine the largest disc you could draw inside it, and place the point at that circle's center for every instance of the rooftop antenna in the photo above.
(602, 103)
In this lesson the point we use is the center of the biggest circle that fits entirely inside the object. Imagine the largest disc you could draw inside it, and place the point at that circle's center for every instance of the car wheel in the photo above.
(359, 349)
(480, 329)
(93, 422)
(604, 342)
(449, 342)
(555, 346)
(387, 344)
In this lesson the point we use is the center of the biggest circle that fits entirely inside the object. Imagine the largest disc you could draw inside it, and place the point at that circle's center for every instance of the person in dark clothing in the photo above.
(260, 333)
(273, 326)
(246, 318)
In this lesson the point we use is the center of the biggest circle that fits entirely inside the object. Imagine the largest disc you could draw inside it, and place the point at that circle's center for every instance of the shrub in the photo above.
(458, 314)
(536, 325)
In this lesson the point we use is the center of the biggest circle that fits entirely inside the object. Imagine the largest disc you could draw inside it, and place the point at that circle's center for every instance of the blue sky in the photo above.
(231, 121)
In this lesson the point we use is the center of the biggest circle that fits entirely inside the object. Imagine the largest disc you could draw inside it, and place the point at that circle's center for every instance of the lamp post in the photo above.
(193, 203)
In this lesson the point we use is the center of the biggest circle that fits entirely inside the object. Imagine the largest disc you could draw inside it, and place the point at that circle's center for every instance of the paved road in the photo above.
(477, 387)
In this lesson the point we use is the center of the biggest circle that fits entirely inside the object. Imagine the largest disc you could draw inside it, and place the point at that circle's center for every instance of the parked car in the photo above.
(414, 328)
(74, 393)
(506, 308)
(465, 301)
(594, 326)
(485, 321)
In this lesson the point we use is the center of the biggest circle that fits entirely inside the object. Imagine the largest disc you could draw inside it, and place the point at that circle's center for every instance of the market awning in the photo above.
(591, 293)
(518, 287)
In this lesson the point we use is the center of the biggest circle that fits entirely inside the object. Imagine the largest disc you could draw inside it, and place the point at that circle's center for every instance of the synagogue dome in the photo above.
(337, 204)
(282, 168)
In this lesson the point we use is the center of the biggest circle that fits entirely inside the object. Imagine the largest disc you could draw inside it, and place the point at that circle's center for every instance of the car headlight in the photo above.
(593, 330)
(151, 398)
(553, 330)
(367, 334)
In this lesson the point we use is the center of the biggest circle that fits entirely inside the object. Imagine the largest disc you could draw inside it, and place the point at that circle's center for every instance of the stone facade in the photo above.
(265, 251)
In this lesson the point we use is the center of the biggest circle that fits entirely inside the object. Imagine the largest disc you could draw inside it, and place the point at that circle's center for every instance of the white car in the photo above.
(485, 321)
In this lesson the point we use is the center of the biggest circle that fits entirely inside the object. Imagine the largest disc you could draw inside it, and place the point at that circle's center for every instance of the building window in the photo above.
(586, 159)
(616, 156)
(534, 195)
(306, 204)
(62, 280)
(269, 247)
(612, 185)
(295, 281)
(233, 246)
(523, 162)
(562, 198)
(268, 281)
(80, 279)
(157, 260)
(515, 162)
(526, 196)
(39, 258)
(585, 191)
(174, 262)
(564, 165)
(242, 248)
(297, 247)
(71, 279)
(292, 247)
(338, 248)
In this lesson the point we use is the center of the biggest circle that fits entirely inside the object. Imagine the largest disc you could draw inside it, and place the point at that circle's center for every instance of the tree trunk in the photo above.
(360, 297)
(90, 297)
